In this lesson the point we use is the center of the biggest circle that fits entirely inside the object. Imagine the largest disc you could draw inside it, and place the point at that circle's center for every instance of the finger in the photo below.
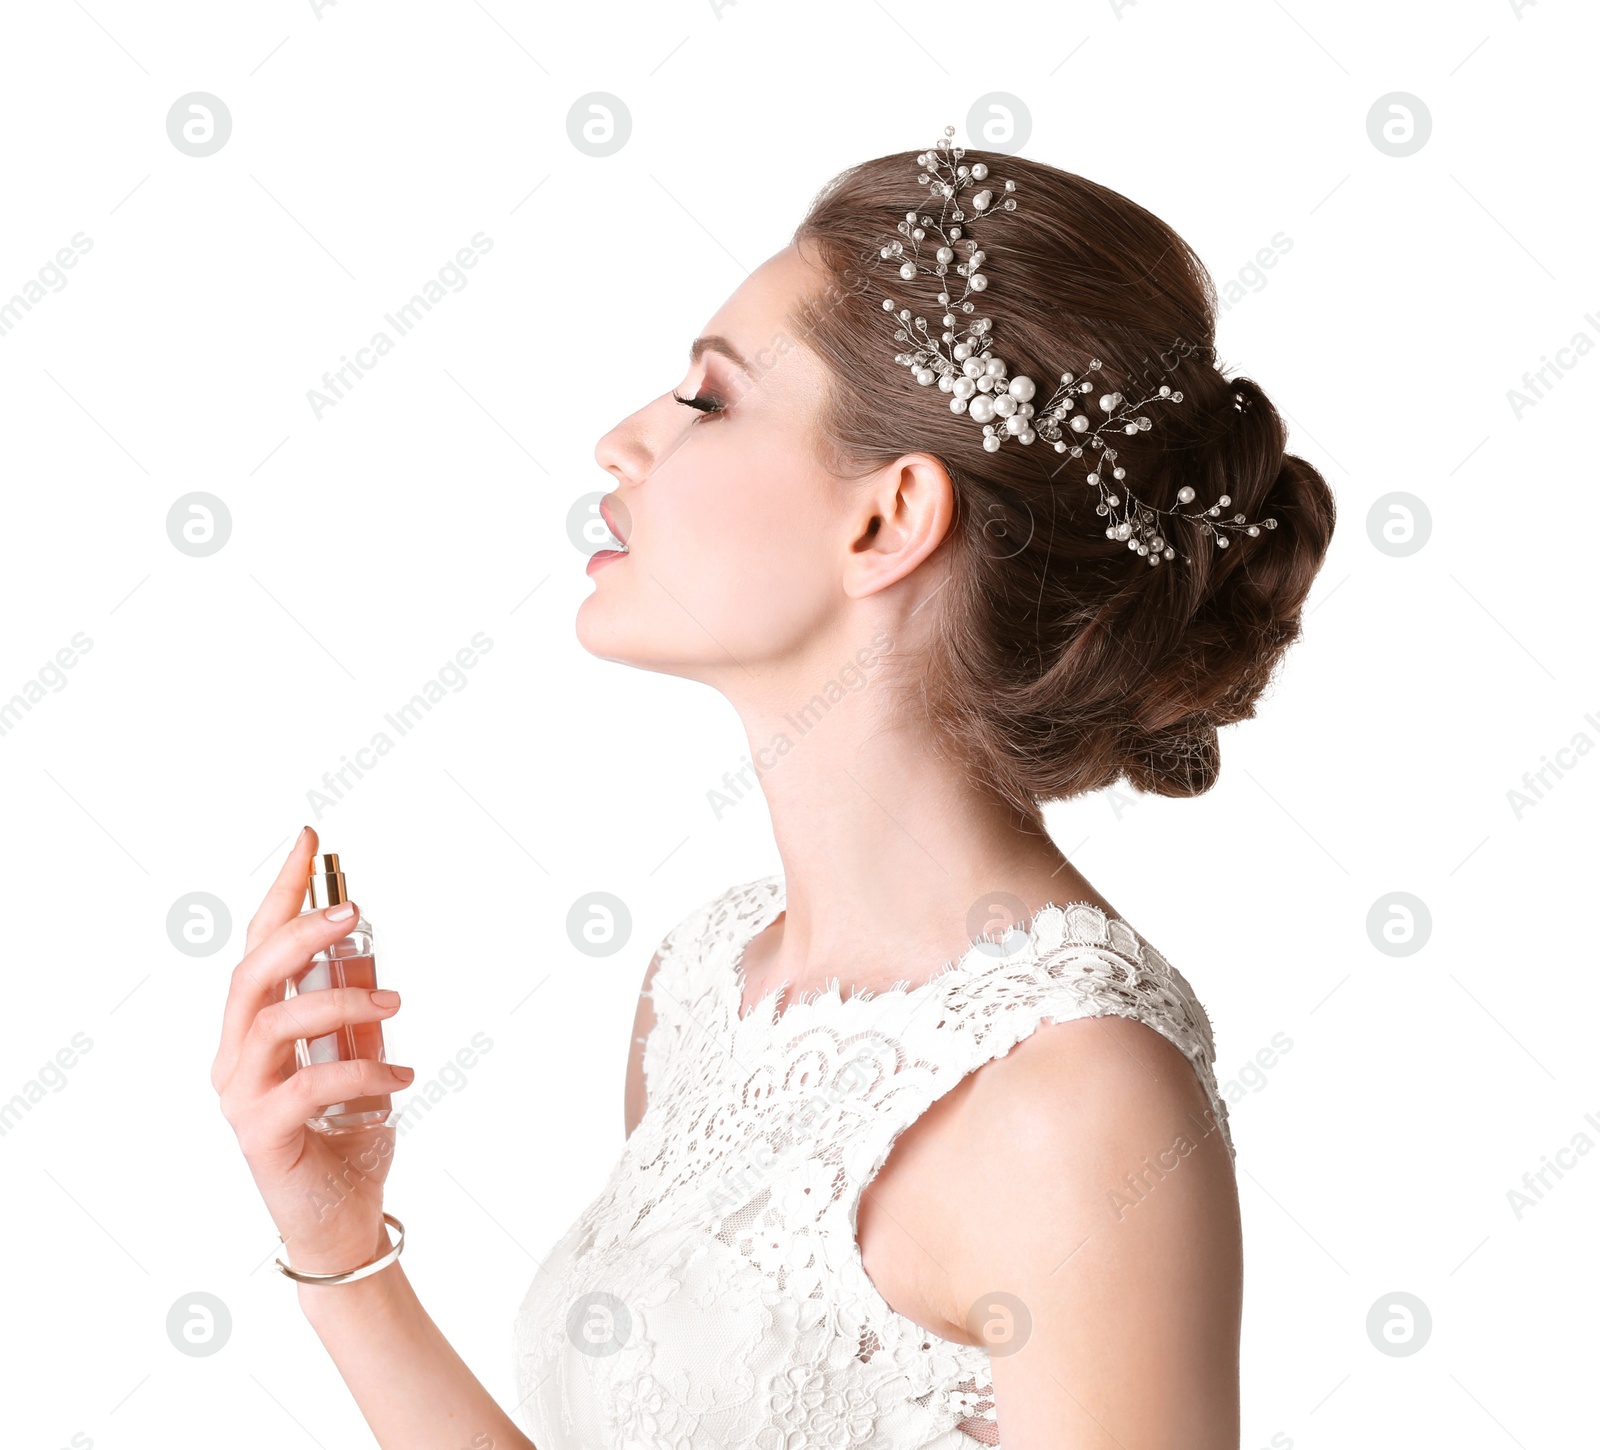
(275, 1126)
(258, 980)
(287, 894)
(268, 1046)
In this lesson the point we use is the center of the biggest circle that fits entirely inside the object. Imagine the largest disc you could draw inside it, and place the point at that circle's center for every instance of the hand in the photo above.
(325, 1193)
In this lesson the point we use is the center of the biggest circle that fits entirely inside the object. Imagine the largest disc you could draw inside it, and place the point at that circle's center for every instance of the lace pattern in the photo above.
(713, 1293)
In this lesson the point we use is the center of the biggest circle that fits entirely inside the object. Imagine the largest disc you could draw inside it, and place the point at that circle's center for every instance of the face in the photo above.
(736, 532)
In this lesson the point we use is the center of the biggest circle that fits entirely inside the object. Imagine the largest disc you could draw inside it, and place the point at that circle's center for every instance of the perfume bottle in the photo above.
(349, 962)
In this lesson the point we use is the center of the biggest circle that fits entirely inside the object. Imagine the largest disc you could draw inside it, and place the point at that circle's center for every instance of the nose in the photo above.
(636, 445)
(643, 442)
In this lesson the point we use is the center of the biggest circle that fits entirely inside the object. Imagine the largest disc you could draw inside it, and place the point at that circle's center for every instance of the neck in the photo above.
(892, 860)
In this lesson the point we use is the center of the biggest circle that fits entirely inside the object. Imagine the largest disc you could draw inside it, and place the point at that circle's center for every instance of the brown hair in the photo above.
(1063, 661)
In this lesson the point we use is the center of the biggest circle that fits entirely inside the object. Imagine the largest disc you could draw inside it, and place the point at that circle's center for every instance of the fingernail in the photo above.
(301, 837)
(383, 997)
(405, 1074)
(341, 911)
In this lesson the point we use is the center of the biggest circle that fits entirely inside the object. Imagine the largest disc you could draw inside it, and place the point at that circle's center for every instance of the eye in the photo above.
(706, 402)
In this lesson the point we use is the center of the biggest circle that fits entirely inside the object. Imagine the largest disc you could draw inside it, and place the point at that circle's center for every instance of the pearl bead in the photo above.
(963, 387)
(1092, 479)
(1016, 426)
(1026, 436)
(1108, 401)
(944, 254)
(1119, 472)
(1222, 541)
(972, 367)
(1004, 404)
(1224, 501)
(944, 382)
(1253, 531)
(1060, 446)
(981, 408)
(977, 282)
(1186, 494)
(958, 405)
(1080, 424)
(979, 170)
(1022, 388)
(908, 270)
(991, 444)
(1123, 530)
(981, 200)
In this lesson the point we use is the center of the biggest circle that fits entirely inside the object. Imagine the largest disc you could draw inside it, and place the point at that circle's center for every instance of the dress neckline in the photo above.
(981, 950)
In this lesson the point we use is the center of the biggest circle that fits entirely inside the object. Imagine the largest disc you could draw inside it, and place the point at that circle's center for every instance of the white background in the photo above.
(368, 545)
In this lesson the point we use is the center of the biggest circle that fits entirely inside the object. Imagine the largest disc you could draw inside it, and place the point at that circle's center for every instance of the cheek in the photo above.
(754, 563)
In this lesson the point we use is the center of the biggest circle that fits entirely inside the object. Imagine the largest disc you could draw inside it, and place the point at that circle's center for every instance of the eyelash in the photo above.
(706, 402)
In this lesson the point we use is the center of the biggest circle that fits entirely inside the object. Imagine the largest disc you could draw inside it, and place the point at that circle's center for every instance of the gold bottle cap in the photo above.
(326, 886)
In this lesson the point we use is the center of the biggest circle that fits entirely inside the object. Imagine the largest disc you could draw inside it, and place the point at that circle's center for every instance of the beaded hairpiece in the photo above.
(964, 365)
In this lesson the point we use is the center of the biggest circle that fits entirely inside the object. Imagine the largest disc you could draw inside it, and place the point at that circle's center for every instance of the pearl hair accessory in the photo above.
(965, 366)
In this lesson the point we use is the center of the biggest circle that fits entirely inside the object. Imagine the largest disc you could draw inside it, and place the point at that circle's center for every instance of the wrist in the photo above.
(360, 1300)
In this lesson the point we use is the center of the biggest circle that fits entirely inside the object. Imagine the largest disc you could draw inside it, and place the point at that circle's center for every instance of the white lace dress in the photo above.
(713, 1294)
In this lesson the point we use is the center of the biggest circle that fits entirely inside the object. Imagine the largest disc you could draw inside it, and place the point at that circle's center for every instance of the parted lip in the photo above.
(611, 523)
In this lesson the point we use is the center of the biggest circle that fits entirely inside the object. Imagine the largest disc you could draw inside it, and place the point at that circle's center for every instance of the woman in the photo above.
(935, 609)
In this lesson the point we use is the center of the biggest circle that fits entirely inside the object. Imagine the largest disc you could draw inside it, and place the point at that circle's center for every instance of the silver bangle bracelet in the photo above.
(349, 1276)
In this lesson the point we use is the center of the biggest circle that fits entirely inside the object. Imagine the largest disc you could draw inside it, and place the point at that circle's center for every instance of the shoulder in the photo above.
(1105, 1204)
(675, 979)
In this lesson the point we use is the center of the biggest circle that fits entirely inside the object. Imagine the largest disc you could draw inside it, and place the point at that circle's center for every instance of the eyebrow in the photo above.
(714, 343)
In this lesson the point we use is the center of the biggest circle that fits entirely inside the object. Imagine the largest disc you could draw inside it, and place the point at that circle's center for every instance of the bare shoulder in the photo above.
(1098, 1192)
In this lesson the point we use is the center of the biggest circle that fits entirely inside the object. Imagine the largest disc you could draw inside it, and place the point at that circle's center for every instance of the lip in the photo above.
(600, 558)
(611, 523)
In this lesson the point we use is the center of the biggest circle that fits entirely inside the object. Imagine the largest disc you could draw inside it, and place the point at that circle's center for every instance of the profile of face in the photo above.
(746, 557)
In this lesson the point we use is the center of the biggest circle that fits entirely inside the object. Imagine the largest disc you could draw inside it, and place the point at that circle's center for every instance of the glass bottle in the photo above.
(349, 962)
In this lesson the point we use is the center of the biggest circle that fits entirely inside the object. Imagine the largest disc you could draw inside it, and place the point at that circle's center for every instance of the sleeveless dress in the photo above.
(713, 1294)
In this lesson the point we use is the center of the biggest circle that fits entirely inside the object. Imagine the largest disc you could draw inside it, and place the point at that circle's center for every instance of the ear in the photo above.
(903, 513)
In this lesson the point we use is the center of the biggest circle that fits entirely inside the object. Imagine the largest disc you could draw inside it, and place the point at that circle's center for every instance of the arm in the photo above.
(414, 1390)
(1105, 1201)
(411, 1386)
(644, 1019)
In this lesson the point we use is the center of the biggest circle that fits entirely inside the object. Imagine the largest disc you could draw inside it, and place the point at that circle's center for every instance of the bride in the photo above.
(956, 507)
